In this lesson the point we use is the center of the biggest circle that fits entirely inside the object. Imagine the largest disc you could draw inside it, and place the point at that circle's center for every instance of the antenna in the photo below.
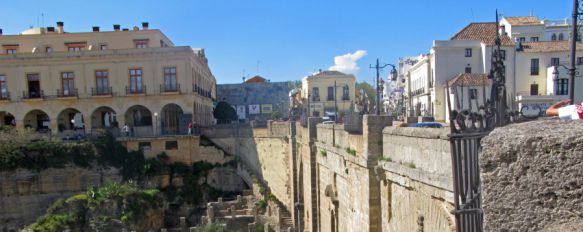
(43, 19)
(473, 16)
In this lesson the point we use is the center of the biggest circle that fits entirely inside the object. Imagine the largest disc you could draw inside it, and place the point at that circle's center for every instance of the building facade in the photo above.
(256, 98)
(531, 49)
(52, 80)
(327, 91)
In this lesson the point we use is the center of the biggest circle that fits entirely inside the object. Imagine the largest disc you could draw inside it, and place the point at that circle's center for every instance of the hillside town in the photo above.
(120, 129)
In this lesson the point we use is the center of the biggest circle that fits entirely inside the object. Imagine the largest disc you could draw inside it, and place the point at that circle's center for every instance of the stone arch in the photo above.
(138, 116)
(37, 120)
(6, 118)
(104, 117)
(170, 119)
(70, 119)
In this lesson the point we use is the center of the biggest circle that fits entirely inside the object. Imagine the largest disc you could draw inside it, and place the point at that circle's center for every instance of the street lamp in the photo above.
(378, 67)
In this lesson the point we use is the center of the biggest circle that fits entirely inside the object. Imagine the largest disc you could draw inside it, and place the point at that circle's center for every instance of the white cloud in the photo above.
(347, 63)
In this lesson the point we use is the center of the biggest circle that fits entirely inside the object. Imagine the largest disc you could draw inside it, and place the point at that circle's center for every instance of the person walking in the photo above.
(190, 128)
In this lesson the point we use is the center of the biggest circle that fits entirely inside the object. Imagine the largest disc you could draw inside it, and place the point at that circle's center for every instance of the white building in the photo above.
(542, 46)
(394, 89)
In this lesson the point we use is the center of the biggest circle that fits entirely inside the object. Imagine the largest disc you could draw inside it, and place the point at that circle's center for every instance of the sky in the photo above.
(284, 40)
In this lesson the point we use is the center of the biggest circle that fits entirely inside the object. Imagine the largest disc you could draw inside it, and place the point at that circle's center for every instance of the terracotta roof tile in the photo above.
(523, 20)
(469, 79)
(484, 32)
(549, 46)
(256, 79)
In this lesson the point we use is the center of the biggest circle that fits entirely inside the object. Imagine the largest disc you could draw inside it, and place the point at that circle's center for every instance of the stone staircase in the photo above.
(287, 222)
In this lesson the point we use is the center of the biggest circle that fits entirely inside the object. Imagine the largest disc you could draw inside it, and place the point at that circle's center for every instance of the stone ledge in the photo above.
(433, 179)
(432, 133)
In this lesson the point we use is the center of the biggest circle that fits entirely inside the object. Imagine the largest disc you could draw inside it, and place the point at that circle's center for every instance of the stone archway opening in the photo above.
(7, 119)
(139, 120)
(37, 120)
(104, 117)
(171, 120)
(70, 119)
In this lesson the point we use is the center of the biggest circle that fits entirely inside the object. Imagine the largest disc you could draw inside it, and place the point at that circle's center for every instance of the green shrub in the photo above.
(262, 204)
(323, 153)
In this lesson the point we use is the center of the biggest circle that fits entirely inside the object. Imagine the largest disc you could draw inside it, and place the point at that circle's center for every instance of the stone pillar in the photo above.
(233, 211)
(220, 200)
(252, 227)
(183, 224)
(210, 211)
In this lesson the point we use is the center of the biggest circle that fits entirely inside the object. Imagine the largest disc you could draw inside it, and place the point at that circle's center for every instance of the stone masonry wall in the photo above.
(532, 176)
(25, 195)
(416, 191)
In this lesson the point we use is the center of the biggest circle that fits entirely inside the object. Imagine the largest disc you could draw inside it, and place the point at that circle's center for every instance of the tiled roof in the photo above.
(469, 79)
(329, 73)
(256, 79)
(549, 46)
(523, 20)
(484, 32)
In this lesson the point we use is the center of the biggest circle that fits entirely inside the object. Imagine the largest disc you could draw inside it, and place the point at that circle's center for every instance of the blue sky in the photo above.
(283, 40)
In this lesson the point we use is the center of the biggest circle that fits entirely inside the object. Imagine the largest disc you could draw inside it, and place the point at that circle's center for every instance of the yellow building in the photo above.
(320, 90)
(52, 79)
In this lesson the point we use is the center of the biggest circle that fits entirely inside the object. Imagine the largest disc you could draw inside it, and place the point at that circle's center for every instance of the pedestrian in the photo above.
(126, 130)
(565, 111)
(190, 128)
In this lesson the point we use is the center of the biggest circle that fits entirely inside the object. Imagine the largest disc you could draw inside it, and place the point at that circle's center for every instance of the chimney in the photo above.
(95, 29)
(136, 28)
(116, 27)
(51, 29)
(60, 28)
(125, 29)
(145, 25)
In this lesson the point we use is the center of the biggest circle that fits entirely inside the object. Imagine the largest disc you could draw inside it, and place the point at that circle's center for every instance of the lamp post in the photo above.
(156, 123)
(378, 68)
(574, 38)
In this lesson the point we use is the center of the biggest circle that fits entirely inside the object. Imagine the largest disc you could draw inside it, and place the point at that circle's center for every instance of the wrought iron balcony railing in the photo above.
(169, 88)
(67, 93)
(102, 91)
(33, 94)
(136, 90)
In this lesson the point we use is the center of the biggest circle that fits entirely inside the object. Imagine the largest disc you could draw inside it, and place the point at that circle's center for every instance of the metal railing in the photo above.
(102, 91)
(33, 94)
(4, 96)
(169, 89)
(139, 90)
(67, 93)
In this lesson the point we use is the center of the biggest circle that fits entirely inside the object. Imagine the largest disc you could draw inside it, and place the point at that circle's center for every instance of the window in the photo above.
(473, 94)
(555, 61)
(171, 145)
(534, 89)
(136, 80)
(141, 43)
(145, 146)
(315, 94)
(33, 80)
(533, 67)
(468, 52)
(48, 49)
(345, 93)
(103, 47)
(75, 49)
(579, 60)
(316, 114)
(533, 39)
(170, 79)
(68, 84)
(503, 54)
(554, 37)
(578, 39)
(330, 93)
(561, 36)
(102, 82)
(11, 51)
(3, 87)
(521, 39)
(562, 86)
(468, 70)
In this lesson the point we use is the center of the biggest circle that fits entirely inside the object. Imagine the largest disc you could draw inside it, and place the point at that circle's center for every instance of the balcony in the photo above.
(102, 91)
(170, 89)
(345, 98)
(67, 93)
(5, 96)
(135, 91)
(33, 94)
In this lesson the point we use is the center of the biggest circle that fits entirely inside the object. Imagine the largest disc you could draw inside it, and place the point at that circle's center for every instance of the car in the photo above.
(427, 125)
(328, 122)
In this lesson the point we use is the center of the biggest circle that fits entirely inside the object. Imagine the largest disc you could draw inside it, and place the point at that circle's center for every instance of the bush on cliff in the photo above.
(99, 208)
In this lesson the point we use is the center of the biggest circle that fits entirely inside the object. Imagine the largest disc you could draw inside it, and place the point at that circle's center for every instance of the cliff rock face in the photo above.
(25, 195)
(532, 176)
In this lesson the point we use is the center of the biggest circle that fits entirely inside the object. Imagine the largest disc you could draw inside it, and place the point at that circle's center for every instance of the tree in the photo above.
(224, 113)
(369, 90)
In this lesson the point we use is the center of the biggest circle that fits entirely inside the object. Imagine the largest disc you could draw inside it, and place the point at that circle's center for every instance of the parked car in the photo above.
(427, 125)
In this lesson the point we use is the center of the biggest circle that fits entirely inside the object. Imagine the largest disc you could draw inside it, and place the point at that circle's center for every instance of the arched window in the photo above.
(561, 36)
(315, 94)
(345, 93)
(554, 37)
